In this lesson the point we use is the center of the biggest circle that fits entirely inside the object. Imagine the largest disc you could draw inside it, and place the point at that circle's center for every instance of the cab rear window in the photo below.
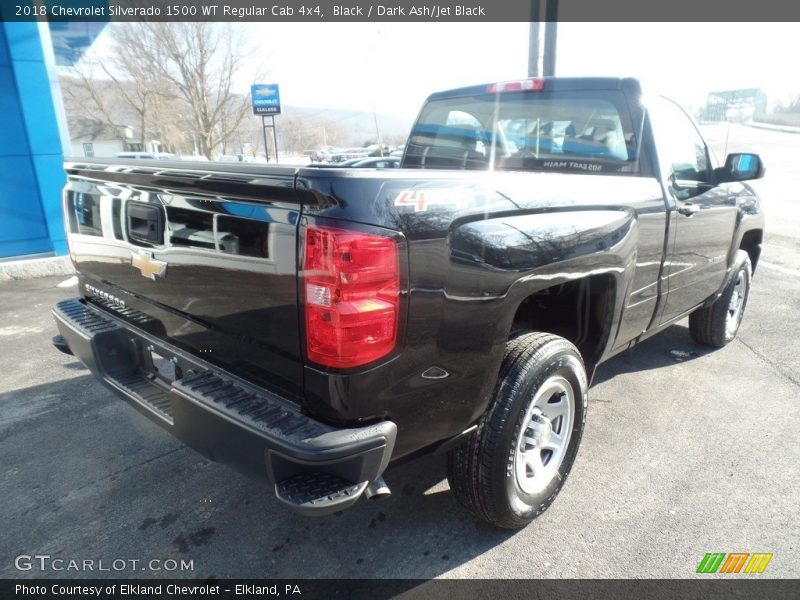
(574, 131)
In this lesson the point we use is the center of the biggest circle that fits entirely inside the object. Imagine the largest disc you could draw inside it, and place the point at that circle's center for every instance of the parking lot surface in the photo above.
(686, 451)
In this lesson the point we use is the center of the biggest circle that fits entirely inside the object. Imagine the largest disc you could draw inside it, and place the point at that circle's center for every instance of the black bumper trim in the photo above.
(228, 419)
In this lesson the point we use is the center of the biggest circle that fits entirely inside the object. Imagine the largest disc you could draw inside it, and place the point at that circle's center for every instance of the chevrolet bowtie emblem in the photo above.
(149, 266)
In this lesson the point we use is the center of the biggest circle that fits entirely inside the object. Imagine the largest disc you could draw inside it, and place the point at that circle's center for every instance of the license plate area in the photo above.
(161, 367)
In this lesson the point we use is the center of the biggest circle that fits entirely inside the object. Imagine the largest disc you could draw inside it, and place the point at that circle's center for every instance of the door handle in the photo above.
(145, 223)
(688, 209)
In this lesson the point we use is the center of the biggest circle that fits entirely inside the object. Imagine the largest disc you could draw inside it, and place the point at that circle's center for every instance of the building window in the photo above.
(88, 150)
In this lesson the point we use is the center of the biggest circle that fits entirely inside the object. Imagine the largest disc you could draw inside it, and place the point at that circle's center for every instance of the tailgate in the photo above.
(201, 255)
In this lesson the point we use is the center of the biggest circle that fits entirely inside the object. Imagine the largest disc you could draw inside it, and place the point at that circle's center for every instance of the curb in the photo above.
(36, 267)
(771, 127)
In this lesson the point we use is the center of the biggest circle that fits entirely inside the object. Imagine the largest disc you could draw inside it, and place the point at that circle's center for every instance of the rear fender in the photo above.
(497, 263)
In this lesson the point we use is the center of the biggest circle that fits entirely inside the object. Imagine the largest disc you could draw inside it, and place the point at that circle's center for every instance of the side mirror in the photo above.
(741, 167)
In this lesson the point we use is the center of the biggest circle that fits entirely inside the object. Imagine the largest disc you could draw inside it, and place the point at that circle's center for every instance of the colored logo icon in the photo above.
(736, 562)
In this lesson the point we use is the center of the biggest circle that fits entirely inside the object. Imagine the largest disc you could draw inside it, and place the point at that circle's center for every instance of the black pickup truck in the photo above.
(312, 326)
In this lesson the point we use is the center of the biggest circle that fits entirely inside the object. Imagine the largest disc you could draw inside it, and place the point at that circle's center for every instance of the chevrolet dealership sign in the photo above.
(266, 99)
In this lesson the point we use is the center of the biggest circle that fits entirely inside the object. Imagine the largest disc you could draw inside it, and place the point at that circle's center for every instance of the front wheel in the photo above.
(512, 467)
(717, 324)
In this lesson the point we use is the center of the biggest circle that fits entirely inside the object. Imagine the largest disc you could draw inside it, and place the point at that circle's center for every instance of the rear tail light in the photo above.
(351, 284)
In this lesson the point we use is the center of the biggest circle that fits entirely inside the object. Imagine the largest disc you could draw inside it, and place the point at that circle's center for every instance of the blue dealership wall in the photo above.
(31, 152)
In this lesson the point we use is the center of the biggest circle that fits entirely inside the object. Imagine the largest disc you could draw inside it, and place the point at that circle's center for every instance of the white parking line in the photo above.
(779, 268)
(783, 248)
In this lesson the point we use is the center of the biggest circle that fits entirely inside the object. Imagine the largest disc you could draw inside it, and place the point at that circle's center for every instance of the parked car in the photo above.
(370, 162)
(386, 162)
(349, 162)
(324, 154)
(148, 155)
(338, 165)
(343, 154)
(312, 327)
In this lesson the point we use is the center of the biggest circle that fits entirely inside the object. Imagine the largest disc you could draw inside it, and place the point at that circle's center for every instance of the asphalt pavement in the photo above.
(686, 451)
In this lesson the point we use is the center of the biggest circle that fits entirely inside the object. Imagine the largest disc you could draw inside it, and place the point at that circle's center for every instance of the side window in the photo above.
(678, 142)
(459, 117)
(467, 129)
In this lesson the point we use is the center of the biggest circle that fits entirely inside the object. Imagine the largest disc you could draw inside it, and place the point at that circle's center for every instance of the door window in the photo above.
(681, 150)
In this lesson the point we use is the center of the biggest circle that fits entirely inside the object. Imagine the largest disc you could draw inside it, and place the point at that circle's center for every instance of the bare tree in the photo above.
(298, 134)
(138, 85)
(125, 84)
(199, 62)
(175, 79)
(88, 100)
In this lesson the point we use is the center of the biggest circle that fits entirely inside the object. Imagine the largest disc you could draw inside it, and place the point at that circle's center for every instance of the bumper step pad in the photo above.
(145, 391)
(136, 385)
(85, 320)
(318, 493)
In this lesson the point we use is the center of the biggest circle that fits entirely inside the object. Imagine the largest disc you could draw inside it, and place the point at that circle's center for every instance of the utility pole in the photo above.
(533, 49)
(377, 130)
(550, 36)
(550, 21)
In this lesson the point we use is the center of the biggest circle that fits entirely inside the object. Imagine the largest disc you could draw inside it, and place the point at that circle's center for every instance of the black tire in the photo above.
(482, 470)
(717, 324)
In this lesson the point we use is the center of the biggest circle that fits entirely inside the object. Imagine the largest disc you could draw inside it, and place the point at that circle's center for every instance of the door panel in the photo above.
(704, 229)
(703, 214)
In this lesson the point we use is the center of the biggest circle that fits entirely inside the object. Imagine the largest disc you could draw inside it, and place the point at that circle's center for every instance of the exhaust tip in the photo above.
(377, 490)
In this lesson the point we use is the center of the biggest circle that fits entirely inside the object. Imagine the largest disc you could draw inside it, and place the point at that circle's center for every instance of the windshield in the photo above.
(574, 131)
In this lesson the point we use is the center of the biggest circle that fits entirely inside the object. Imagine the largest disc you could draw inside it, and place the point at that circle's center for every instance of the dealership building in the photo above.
(34, 133)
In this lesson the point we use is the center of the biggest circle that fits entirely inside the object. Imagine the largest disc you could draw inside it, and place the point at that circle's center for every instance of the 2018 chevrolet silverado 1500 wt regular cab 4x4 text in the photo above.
(311, 326)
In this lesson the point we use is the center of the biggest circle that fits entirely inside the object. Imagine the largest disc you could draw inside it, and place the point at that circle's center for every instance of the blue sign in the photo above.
(266, 99)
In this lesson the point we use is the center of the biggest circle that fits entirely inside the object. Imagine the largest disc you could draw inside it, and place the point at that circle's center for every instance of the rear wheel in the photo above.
(717, 324)
(512, 467)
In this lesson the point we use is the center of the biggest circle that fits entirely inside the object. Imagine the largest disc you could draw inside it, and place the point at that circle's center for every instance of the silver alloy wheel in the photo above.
(734, 315)
(545, 434)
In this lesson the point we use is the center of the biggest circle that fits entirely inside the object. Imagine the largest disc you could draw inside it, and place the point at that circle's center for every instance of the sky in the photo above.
(392, 67)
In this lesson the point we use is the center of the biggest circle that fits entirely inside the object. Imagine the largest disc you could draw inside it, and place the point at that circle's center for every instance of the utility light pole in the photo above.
(533, 47)
(550, 37)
